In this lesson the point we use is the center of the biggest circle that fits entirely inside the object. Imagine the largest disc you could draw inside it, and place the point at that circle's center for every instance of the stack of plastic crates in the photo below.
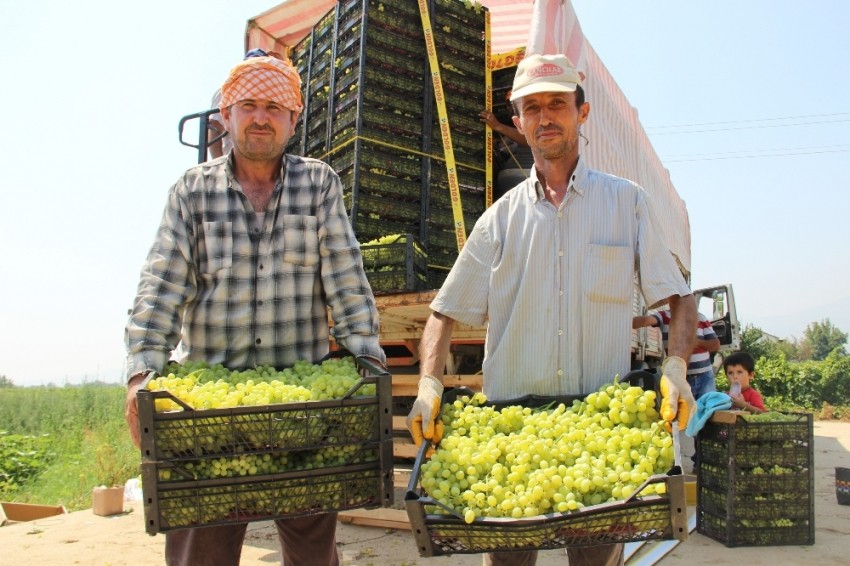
(370, 112)
(756, 482)
(398, 264)
(252, 463)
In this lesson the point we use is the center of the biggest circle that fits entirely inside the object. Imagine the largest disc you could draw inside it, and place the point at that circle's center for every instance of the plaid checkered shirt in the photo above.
(219, 286)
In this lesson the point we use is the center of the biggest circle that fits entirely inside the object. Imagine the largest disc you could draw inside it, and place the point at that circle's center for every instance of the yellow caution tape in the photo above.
(448, 150)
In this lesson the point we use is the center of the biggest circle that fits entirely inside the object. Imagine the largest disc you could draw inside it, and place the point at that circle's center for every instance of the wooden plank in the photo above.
(403, 448)
(384, 518)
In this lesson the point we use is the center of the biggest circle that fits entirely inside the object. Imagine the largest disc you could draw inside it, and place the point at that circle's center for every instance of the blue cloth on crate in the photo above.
(707, 404)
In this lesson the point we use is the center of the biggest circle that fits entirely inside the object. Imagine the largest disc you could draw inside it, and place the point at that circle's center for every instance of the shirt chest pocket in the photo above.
(218, 247)
(300, 240)
(609, 274)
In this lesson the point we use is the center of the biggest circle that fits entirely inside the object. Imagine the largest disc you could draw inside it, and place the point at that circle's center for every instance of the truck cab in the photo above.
(717, 304)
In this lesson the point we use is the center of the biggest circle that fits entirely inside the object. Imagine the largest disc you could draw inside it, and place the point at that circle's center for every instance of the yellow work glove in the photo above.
(423, 420)
(677, 401)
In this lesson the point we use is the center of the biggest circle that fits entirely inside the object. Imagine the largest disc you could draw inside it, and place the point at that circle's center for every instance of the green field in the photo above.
(57, 443)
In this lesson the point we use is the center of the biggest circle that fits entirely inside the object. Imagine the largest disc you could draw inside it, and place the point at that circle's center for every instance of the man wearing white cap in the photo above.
(550, 267)
(252, 252)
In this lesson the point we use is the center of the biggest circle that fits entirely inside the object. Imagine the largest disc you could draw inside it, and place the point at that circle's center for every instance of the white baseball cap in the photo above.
(544, 73)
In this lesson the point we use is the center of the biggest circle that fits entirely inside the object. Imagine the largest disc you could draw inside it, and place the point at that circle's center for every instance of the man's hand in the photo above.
(131, 408)
(677, 401)
(423, 420)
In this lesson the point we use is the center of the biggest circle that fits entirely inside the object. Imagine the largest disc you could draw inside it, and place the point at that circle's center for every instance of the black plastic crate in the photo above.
(756, 532)
(637, 518)
(178, 505)
(396, 266)
(748, 481)
(368, 228)
(773, 507)
(756, 481)
(264, 456)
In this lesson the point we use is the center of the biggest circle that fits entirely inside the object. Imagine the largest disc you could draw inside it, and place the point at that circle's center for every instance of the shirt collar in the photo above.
(577, 181)
(231, 177)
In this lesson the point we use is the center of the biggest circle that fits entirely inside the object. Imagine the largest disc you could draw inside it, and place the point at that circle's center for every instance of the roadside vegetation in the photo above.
(57, 443)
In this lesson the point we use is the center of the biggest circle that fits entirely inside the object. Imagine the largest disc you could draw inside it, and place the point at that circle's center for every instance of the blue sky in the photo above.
(745, 102)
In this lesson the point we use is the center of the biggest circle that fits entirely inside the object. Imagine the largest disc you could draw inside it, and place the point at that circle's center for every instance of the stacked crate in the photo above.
(370, 113)
(207, 467)
(395, 263)
(756, 482)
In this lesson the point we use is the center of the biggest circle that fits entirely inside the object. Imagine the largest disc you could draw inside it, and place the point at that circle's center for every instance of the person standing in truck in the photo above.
(251, 253)
(514, 157)
(551, 266)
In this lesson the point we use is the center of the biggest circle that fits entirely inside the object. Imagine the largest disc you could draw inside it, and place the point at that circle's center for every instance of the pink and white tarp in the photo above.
(617, 142)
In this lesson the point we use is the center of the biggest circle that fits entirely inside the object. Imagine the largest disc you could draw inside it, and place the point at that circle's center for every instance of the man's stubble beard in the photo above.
(561, 149)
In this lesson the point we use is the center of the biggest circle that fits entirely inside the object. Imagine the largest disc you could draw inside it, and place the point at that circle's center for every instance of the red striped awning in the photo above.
(283, 26)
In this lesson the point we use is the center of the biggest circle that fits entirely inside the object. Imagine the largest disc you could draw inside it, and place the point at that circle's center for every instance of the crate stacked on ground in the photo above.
(204, 467)
(756, 481)
(395, 263)
(370, 113)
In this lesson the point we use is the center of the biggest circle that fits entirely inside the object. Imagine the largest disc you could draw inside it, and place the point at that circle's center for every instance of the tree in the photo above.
(754, 343)
(821, 338)
(5, 382)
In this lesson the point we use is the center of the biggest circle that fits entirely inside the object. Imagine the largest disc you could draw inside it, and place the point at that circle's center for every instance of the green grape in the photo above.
(518, 462)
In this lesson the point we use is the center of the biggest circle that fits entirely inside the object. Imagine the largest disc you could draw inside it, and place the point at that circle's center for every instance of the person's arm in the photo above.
(710, 345)
(677, 399)
(645, 320)
(508, 131)
(423, 420)
(683, 321)
(167, 282)
(349, 296)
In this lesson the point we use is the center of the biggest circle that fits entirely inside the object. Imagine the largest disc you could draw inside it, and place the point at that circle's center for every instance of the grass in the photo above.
(88, 441)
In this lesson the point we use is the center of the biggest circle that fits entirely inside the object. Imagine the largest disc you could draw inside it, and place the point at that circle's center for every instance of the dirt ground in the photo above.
(87, 539)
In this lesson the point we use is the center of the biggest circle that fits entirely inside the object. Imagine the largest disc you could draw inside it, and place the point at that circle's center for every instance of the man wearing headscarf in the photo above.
(251, 252)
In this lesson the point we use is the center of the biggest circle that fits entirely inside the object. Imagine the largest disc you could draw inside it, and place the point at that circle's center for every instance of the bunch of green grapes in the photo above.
(519, 462)
(202, 386)
(770, 416)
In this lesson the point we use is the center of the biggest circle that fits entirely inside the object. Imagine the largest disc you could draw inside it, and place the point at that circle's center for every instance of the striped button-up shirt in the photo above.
(556, 285)
(235, 291)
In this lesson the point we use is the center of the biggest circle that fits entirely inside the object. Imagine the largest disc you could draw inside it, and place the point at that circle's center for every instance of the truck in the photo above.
(302, 28)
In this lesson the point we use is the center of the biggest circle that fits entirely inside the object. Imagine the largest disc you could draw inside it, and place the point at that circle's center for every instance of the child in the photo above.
(740, 369)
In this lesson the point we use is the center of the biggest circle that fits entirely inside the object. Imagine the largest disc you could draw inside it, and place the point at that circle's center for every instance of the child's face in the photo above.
(737, 374)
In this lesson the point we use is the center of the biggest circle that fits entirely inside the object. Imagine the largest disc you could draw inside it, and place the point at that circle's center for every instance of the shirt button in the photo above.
(260, 302)
(258, 340)
(560, 253)
(560, 215)
(560, 332)
(261, 266)
(560, 293)
(560, 372)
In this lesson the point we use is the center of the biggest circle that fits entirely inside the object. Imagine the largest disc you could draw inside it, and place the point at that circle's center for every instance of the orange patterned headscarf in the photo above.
(263, 78)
